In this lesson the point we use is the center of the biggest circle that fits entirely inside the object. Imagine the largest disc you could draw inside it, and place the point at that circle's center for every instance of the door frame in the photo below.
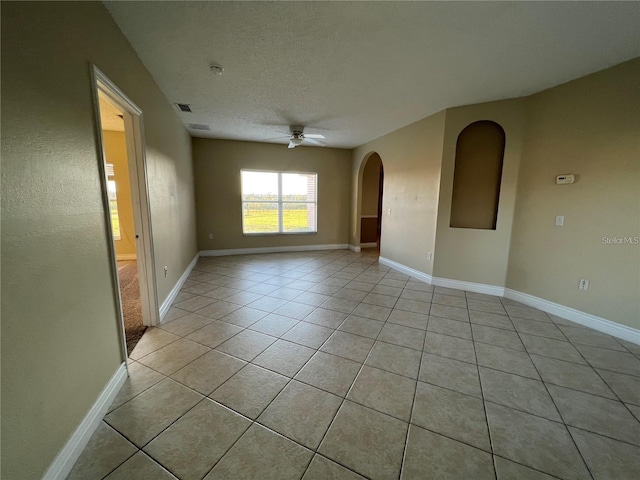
(380, 193)
(136, 158)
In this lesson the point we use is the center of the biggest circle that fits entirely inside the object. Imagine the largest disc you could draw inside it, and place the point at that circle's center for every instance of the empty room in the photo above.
(320, 240)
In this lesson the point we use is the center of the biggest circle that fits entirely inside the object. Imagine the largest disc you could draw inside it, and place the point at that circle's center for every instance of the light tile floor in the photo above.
(327, 365)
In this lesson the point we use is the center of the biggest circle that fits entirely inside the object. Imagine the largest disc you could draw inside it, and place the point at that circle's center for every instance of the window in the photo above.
(279, 202)
(113, 202)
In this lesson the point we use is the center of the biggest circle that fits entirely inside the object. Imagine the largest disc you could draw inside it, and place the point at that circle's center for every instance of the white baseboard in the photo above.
(354, 248)
(293, 248)
(586, 319)
(67, 457)
(126, 256)
(406, 270)
(469, 286)
(369, 245)
(164, 308)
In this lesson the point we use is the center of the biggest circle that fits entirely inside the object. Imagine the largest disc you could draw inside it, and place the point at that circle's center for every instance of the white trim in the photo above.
(369, 245)
(588, 320)
(582, 318)
(354, 248)
(406, 270)
(126, 256)
(294, 248)
(67, 457)
(136, 159)
(164, 308)
(469, 286)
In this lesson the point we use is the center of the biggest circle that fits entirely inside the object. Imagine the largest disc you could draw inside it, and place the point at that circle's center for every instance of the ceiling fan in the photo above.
(297, 137)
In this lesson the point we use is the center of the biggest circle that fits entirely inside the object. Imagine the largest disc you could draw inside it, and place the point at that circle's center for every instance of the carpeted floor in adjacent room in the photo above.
(131, 309)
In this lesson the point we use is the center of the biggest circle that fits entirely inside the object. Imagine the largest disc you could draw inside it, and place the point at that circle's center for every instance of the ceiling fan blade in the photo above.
(314, 135)
(291, 145)
(314, 141)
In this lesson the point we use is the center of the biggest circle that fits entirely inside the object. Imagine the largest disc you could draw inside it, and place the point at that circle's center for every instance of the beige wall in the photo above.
(411, 159)
(217, 165)
(115, 151)
(60, 342)
(589, 127)
(473, 255)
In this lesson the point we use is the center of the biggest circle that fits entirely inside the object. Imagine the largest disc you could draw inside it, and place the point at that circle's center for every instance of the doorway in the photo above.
(371, 202)
(126, 199)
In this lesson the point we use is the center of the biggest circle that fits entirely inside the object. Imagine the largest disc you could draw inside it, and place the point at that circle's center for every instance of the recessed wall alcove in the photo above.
(477, 176)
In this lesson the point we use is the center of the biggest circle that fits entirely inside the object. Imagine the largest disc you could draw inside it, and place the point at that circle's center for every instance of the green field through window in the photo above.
(260, 220)
(276, 202)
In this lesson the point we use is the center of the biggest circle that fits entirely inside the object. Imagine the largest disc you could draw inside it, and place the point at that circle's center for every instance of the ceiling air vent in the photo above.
(184, 107)
(198, 126)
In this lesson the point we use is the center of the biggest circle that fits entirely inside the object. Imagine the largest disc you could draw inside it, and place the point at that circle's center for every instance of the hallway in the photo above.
(328, 365)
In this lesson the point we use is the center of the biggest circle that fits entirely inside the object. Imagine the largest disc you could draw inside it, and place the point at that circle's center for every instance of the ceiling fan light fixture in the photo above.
(216, 69)
(297, 137)
(295, 140)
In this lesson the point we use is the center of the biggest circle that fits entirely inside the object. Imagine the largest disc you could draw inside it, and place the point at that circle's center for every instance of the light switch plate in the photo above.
(559, 220)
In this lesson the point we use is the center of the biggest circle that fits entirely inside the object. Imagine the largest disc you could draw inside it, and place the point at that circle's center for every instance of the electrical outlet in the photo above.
(211, 236)
(583, 285)
(166, 270)
(429, 255)
(388, 211)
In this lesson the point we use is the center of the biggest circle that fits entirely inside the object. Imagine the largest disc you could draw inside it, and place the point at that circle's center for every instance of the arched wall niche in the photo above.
(477, 176)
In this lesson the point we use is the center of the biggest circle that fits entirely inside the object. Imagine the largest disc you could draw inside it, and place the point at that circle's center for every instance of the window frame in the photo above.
(113, 198)
(280, 202)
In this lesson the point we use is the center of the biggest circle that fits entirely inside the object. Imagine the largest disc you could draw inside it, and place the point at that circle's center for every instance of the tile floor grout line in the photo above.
(599, 376)
(526, 466)
(290, 379)
(608, 386)
(566, 339)
(255, 421)
(484, 405)
(566, 428)
(153, 351)
(344, 399)
(342, 465)
(588, 364)
(204, 397)
(127, 459)
(413, 402)
(456, 440)
(140, 393)
(523, 376)
(199, 357)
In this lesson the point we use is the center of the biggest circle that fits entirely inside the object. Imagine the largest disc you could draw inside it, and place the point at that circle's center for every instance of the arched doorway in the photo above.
(371, 191)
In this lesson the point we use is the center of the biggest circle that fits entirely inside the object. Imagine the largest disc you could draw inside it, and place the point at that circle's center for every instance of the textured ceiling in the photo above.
(354, 71)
